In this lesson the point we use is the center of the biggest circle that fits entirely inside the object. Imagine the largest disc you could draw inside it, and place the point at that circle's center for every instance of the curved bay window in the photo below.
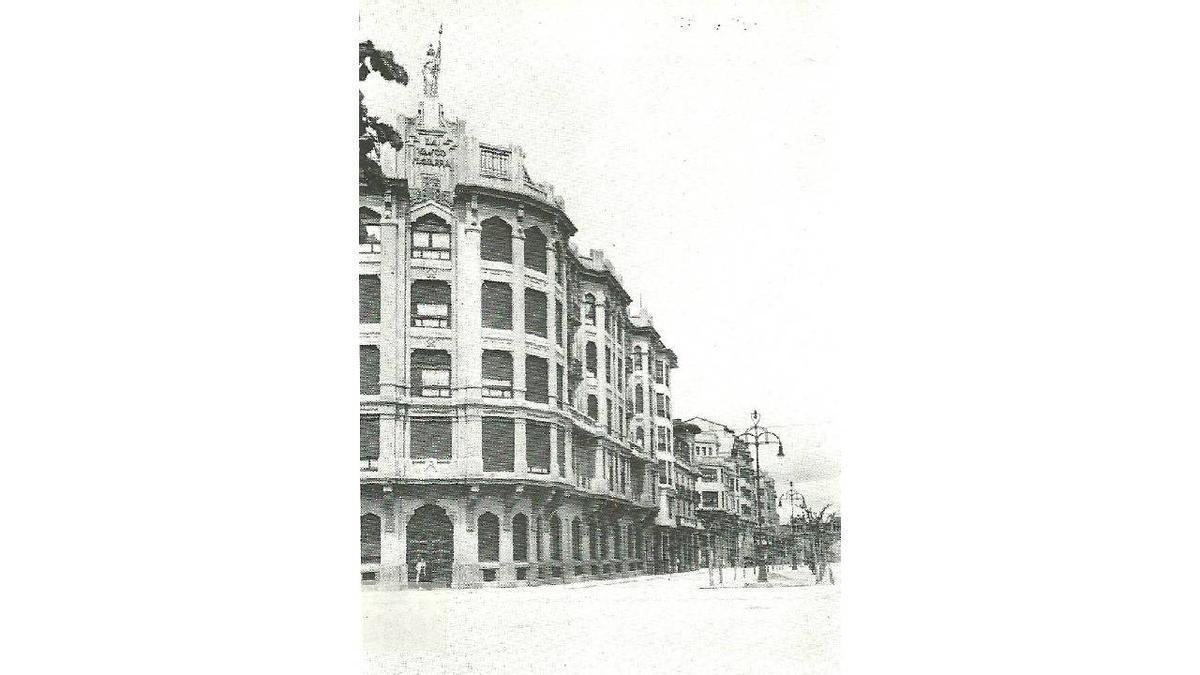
(537, 447)
(496, 305)
(498, 441)
(430, 373)
(430, 239)
(520, 530)
(431, 303)
(495, 241)
(535, 249)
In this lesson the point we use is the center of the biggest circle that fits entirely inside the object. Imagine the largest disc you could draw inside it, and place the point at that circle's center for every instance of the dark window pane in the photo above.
(368, 298)
(535, 250)
(431, 303)
(368, 437)
(558, 322)
(496, 305)
(537, 379)
(496, 241)
(429, 438)
(430, 373)
(562, 451)
(368, 369)
(537, 446)
(520, 536)
(370, 537)
(489, 537)
(498, 442)
(535, 313)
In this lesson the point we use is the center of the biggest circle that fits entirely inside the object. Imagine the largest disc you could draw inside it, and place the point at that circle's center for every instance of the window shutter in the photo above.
(429, 438)
(537, 446)
(430, 292)
(368, 369)
(426, 358)
(368, 298)
(496, 241)
(496, 305)
(535, 313)
(535, 249)
(498, 441)
(497, 365)
(537, 379)
(368, 437)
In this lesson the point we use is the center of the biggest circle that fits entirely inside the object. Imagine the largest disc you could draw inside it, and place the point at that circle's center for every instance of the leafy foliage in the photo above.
(372, 132)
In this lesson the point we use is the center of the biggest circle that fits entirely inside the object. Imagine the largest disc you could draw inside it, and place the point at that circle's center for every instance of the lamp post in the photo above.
(759, 435)
(791, 495)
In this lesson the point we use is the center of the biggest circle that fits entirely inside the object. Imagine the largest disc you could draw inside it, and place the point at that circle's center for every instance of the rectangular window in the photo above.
(429, 438)
(431, 241)
(640, 399)
(537, 446)
(368, 436)
(667, 376)
(608, 424)
(535, 313)
(559, 331)
(660, 405)
(497, 373)
(658, 371)
(662, 472)
(558, 384)
(431, 303)
(561, 442)
(493, 162)
(593, 407)
(498, 441)
(368, 298)
(430, 373)
(661, 441)
(607, 365)
(537, 379)
(496, 305)
(668, 407)
(368, 369)
(637, 359)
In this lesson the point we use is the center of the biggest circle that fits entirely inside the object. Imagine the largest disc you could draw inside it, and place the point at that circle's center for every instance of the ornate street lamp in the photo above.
(759, 435)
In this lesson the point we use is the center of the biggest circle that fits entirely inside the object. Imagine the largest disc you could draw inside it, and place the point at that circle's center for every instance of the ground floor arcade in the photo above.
(473, 535)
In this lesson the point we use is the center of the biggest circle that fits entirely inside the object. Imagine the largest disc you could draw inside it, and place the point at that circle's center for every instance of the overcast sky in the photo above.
(690, 142)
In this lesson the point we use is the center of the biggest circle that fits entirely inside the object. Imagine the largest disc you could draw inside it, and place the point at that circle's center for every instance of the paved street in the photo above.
(665, 624)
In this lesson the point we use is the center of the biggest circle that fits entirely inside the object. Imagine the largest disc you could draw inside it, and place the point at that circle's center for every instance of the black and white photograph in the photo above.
(693, 336)
(561, 436)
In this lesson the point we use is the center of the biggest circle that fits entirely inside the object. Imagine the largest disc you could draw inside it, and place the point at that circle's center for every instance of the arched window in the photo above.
(489, 537)
(535, 249)
(637, 357)
(555, 538)
(639, 397)
(520, 530)
(431, 238)
(576, 539)
(589, 357)
(589, 309)
(495, 242)
(370, 537)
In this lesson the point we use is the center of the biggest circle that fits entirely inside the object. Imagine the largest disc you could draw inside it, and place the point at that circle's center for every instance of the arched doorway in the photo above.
(430, 535)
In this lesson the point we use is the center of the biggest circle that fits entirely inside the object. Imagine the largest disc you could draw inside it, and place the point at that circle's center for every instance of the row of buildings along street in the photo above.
(516, 425)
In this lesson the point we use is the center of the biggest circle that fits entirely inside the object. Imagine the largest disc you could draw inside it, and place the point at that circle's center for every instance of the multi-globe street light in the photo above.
(759, 435)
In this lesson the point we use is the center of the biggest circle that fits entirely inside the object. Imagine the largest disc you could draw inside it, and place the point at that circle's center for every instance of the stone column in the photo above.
(391, 313)
(391, 554)
(466, 544)
(467, 321)
(518, 290)
(506, 574)
(520, 459)
(554, 434)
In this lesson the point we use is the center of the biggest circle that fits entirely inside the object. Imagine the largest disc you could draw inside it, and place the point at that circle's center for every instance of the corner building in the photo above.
(495, 418)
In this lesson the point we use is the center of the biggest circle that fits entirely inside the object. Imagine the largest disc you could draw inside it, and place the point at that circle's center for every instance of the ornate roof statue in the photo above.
(433, 65)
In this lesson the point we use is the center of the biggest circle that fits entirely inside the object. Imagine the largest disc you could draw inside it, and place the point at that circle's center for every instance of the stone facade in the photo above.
(484, 335)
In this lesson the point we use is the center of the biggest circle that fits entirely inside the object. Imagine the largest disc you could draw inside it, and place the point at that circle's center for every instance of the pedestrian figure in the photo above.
(422, 573)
